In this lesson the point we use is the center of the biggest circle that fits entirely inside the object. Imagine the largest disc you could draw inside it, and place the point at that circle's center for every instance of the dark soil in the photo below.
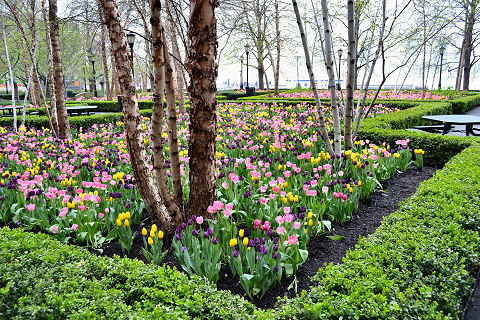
(321, 249)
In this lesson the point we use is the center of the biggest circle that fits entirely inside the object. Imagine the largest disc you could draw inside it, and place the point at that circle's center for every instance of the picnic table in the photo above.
(79, 110)
(448, 120)
(7, 111)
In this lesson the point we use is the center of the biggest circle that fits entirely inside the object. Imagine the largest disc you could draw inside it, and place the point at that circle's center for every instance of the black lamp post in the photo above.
(340, 52)
(92, 60)
(298, 75)
(131, 42)
(6, 84)
(241, 73)
(247, 51)
(442, 51)
(102, 85)
(85, 79)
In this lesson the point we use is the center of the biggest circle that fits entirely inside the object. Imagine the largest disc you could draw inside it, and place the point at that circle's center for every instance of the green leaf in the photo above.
(337, 237)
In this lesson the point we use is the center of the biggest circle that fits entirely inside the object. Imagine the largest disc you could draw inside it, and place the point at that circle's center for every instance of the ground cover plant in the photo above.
(276, 188)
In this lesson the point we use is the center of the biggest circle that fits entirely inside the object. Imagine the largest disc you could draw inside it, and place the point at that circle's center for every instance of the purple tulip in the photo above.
(194, 232)
(235, 254)
(275, 269)
(275, 255)
(215, 240)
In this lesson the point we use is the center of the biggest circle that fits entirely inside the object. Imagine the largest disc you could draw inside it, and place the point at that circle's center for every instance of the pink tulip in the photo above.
(30, 207)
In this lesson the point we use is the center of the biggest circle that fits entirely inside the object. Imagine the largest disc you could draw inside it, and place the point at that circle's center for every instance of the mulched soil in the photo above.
(321, 249)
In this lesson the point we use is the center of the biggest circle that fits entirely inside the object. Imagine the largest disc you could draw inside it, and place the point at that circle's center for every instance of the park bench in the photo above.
(79, 110)
(432, 129)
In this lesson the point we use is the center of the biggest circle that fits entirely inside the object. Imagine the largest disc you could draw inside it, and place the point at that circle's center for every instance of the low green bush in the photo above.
(43, 279)
(416, 265)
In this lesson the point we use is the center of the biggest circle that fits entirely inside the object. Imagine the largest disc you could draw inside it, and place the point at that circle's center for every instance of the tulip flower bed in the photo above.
(276, 189)
(383, 95)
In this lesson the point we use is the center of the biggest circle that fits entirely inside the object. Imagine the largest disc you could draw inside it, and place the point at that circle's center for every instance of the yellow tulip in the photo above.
(152, 234)
(241, 232)
(245, 241)
(119, 222)
(144, 232)
(150, 241)
(160, 234)
(233, 242)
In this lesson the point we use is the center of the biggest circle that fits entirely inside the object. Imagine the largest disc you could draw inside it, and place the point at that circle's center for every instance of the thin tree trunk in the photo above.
(63, 123)
(331, 78)
(277, 36)
(361, 110)
(468, 46)
(51, 73)
(203, 71)
(158, 55)
(351, 68)
(103, 40)
(138, 154)
(323, 128)
(172, 127)
(179, 69)
(7, 56)
(458, 82)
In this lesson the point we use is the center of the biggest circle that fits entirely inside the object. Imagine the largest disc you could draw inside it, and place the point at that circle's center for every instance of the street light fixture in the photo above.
(442, 51)
(91, 57)
(241, 72)
(102, 85)
(298, 74)
(340, 52)
(131, 42)
(247, 51)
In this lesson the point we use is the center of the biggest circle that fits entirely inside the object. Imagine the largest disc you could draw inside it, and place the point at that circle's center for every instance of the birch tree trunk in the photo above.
(323, 128)
(160, 57)
(103, 40)
(7, 56)
(172, 127)
(331, 78)
(469, 43)
(51, 73)
(277, 36)
(63, 123)
(179, 70)
(361, 110)
(203, 70)
(136, 147)
(351, 70)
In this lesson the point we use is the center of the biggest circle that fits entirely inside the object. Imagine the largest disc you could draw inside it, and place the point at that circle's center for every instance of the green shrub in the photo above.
(43, 279)
(416, 265)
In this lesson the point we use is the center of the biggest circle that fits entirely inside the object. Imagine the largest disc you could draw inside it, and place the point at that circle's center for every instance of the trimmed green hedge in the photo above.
(416, 265)
(43, 279)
